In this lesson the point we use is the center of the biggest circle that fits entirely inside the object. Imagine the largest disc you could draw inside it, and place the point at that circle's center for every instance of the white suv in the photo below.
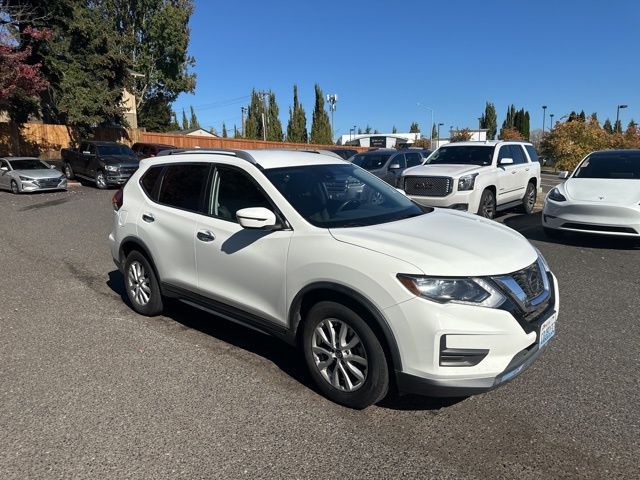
(478, 177)
(319, 252)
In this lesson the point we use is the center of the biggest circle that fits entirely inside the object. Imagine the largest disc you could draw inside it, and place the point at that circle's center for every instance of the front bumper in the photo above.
(466, 201)
(592, 217)
(117, 179)
(507, 335)
(42, 185)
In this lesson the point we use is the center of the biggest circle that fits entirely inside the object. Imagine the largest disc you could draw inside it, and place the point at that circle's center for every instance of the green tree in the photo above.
(518, 120)
(185, 121)
(367, 130)
(173, 126)
(359, 131)
(463, 135)
(434, 132)
(236, 133)
(607, 127)
(617, 127)
(274, 127)
(154, 36)
(224, 131)
(193, 122)
(594, 117)
(582, 116)
(320, 126)
(489, 120)
(253, 124)
(297, 126)
(394, 129)
(414, 128)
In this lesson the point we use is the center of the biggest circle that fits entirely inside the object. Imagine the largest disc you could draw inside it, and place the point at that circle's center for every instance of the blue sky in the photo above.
(384, 57)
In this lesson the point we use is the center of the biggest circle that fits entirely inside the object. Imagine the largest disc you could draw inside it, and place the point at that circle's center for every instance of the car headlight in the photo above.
(467, 291)
(111, 168)
(25, 179)
(556, 196)
(467, 182)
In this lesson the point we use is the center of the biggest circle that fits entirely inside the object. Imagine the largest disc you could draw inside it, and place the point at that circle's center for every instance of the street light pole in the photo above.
(618, 116)
(551, 121)
(332, 99)
(544, 114)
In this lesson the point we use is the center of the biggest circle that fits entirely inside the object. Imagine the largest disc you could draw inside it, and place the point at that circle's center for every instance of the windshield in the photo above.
(115, 150)
(371, 161)
(614, 165)
(332, 196)
(28, 164)
(462, 155)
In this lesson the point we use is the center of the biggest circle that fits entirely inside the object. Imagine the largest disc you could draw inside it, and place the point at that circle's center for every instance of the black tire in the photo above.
(101, 180)
(487, 207)
(153, 306)
(375, 383)
(552, 233)
(529, 199)
(68, 171)
(14, 187)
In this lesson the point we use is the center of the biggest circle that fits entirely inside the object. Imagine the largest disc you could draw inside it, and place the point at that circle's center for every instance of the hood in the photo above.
(442, 170)
(127, 160)
(39, 173)
(446, 243)
(617, 191)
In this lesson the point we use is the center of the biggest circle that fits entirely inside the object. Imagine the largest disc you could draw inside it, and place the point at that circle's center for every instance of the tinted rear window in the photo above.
(149, 180)
(462, 155)
(373, 161)
(183, 186)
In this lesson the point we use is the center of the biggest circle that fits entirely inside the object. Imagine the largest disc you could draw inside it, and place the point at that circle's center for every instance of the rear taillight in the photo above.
(117, 200)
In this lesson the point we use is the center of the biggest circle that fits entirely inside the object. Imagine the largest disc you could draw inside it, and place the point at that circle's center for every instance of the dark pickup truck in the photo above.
(104, 163)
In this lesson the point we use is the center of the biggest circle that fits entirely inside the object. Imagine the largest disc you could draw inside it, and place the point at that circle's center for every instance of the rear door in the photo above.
(167, 221)
(78, 161)
(5, 175)
(244, 268)
(508, 179)
(524, 171)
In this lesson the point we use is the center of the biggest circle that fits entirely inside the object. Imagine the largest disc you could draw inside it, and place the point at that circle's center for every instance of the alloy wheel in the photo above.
(138, 283)
(14, 187)
(488, 207)
(67, 171)
(100, 180)
(339, 355)
(531, 197)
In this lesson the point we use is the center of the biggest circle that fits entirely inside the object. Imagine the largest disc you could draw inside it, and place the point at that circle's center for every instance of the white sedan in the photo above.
(602, 196)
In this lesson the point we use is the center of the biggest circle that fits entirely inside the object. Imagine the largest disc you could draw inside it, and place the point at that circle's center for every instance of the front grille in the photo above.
(48, 182)
(530, 280)
(127, 171)
(598, 228)
(428, 186)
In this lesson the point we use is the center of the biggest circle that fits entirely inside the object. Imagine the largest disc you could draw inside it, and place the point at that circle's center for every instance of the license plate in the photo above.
(548, 329)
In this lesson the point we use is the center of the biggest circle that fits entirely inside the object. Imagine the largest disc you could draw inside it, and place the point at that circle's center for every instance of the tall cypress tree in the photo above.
(617, 127)
(434, 132)
(414, 127)
(224, 131)
(489, 120)
(185, 121)
(253, 125)
(607, 126)
(274, 127)
(320, 125)
(193, 123)
(297, 126)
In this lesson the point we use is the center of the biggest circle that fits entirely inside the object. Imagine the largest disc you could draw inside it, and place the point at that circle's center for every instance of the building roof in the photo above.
(190, 130)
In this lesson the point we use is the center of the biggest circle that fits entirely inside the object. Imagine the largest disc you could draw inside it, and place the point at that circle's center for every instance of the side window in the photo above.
(235, 190)
(533, 155)
(518, 155)
(3, 163)
(399, 159)
(183, 186)
(413, 159)
(505, 152)
(149, 180)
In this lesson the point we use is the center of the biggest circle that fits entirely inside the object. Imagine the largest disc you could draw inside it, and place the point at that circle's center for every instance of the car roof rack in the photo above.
(220, 151)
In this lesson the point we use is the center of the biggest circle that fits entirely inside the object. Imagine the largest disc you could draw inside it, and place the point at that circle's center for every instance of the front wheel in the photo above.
(68, 171)
(344, 356)
(529, 199)
(14, 187)
(101, 180)
(487, 208)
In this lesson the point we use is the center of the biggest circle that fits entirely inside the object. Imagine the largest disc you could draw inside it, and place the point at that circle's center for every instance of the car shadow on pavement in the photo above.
(286, 357)
(531, 227)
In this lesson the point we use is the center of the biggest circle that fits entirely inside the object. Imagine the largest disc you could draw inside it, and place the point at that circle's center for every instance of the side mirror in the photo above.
(506, 161)
(4, 169)
(394, 166)
(563, 174)
(256, 217)
(52, 167)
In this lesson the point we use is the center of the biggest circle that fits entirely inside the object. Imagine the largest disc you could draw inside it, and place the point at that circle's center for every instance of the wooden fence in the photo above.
(45, 141)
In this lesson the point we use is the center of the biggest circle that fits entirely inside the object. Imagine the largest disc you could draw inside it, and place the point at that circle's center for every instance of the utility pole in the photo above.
(551, 121)
(544, 115)
(264, 96)
(332, 99)
(618, 117)
(243, 110)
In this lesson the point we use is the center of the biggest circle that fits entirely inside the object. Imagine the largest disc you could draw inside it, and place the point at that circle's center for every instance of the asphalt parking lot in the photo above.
(89, 389)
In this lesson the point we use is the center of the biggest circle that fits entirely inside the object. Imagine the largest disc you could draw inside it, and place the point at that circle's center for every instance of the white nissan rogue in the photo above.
(374, 289)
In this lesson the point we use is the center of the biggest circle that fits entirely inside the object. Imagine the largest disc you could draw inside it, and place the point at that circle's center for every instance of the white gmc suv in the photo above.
(478, 177)
(322, 254)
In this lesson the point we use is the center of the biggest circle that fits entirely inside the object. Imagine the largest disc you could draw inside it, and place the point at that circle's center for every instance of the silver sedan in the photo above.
(28, 174)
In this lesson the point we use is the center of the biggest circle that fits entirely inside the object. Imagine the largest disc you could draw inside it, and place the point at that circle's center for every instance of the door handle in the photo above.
(513, 172)
(147, 217)
(205, 236)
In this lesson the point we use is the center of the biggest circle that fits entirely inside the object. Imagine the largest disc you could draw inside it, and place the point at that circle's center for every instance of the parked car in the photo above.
(146, 150)
(29, 174)
(478, 177)
(104, 163)
(388, 163)
(370, 285)
(602, 196)
(345, 153)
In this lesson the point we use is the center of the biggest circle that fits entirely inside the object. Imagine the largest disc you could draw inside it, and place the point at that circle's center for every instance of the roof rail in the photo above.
(220, 151)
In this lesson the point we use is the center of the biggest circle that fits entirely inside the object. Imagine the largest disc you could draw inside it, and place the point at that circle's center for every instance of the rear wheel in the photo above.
(344, 356)
(141, 283)
(14, 187)
(68, 171)
(487, 208)
(101, 180)
(529, 199)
